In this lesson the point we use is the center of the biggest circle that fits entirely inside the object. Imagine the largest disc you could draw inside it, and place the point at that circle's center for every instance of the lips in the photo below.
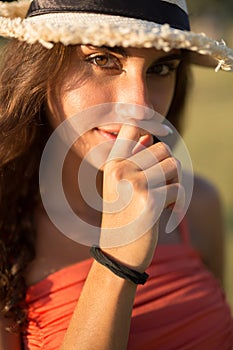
(109, 134)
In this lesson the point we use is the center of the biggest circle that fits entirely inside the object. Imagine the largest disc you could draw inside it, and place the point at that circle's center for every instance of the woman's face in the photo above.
(103, 75)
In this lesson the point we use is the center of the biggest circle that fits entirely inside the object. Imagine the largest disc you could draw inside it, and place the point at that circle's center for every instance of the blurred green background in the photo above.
(209, 118)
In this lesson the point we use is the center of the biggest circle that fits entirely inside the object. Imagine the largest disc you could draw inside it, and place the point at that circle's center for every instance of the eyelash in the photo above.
(171, 67)
(114, 61)
(115, 64)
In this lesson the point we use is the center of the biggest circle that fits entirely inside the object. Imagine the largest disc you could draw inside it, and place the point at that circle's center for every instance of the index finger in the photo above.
(125, 142)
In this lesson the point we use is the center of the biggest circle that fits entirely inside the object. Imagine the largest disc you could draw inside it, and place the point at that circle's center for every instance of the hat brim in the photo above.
(99, 30)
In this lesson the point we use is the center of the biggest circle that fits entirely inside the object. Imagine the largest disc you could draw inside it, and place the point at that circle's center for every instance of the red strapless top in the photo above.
(181, 307)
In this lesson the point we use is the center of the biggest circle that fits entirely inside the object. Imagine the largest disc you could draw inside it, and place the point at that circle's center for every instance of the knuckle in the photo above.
(181, 191)
(163, 149)
(176, 188)
(169, 164)
(115, 170)
(139, 182)
(144, 199)
(174, 163)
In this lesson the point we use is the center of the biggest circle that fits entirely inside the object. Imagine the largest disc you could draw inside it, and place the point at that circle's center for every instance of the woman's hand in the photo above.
(131, 211)
(136, 188)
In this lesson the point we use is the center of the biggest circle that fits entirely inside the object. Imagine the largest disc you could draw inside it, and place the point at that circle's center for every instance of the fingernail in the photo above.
(169, 130)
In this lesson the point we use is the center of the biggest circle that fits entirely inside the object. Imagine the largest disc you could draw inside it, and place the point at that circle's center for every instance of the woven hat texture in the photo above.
(161, 24)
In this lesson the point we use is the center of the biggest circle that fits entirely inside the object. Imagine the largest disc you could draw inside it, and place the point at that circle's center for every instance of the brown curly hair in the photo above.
(26, 71)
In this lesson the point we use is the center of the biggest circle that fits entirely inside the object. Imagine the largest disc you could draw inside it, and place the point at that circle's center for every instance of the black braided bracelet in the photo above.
(117, 268)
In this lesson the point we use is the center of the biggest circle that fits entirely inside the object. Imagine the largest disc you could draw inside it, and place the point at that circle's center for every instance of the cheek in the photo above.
(161, 94)
(66, 104)
(73, 103)
(84, 97)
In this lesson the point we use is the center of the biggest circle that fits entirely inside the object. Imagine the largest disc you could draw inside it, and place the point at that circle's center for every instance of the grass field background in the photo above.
(209, 137)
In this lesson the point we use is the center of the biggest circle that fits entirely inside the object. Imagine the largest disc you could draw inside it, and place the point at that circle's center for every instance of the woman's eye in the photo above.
(104, 61)
(162, 69)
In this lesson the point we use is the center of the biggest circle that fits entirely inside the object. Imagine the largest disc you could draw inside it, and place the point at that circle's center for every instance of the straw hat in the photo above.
(162, 24)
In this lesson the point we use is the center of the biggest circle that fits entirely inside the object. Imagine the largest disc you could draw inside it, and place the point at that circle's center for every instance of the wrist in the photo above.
(119, 269)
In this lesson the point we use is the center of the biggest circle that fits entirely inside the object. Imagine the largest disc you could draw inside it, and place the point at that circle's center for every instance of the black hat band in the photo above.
(157, 11)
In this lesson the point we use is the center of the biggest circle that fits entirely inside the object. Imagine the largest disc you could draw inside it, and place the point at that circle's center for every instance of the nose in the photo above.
(133, 94)
(133, 89)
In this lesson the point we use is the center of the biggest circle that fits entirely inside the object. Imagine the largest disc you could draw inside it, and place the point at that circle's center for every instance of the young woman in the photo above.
(74, 58)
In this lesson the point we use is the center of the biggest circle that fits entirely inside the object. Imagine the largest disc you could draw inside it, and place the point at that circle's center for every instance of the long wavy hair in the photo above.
(26, 71)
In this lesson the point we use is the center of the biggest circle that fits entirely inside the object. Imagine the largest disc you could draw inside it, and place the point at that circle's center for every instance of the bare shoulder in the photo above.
(205, 219)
